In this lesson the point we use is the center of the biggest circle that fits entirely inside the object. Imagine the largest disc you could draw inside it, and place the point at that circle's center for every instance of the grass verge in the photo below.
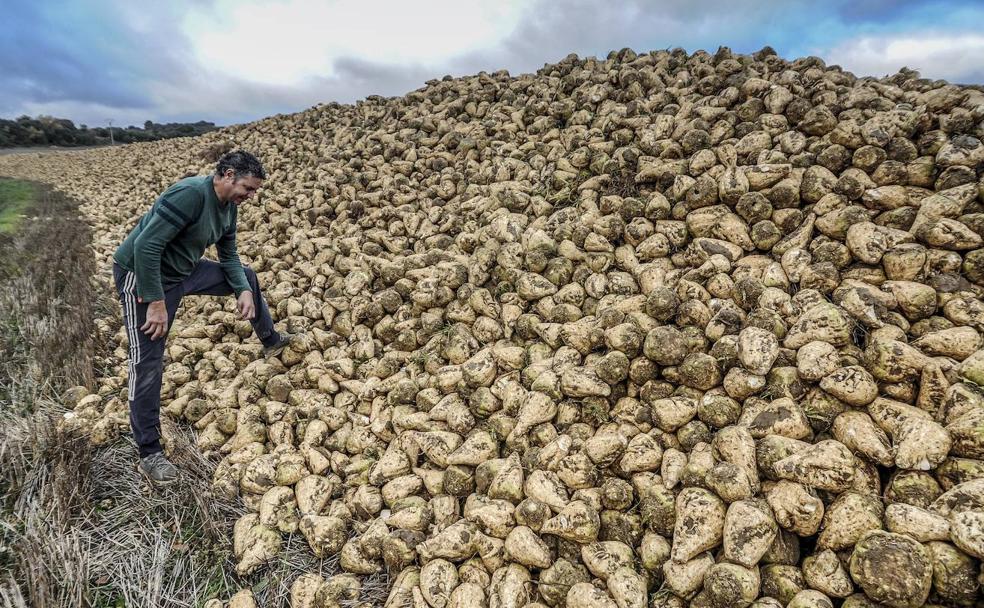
(15, 197)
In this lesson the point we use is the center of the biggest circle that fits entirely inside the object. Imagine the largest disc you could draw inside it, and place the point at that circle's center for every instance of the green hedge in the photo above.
(51, 131)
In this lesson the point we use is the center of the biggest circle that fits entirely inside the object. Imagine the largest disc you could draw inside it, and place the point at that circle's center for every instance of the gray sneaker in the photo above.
(278, 347)
(158, 469)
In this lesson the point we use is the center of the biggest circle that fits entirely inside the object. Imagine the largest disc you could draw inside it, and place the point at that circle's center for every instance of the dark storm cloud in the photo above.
(234, 101)
(88, 54)
(41, 60)
(353, 74)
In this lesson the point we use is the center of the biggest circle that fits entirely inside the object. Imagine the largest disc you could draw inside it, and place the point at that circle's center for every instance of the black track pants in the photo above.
(146, 356)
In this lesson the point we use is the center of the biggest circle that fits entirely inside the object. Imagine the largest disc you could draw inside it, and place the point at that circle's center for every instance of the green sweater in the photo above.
(170, 239)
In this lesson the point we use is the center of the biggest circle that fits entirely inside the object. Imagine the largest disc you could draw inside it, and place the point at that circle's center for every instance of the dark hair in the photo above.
(242, 162)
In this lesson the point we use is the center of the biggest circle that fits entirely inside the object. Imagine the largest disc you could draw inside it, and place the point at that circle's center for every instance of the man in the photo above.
(160, 261)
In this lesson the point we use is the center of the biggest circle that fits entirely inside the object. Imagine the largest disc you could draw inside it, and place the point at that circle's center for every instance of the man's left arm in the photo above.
(229, 260)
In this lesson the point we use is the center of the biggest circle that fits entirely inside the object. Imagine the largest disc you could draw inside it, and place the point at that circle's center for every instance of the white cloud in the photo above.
(286, 43)
(954, 57)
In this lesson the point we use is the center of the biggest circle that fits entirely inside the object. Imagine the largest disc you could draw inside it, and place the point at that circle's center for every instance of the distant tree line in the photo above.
(51, 131)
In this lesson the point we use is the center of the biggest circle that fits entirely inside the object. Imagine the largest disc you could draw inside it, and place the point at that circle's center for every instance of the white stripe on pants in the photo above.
(130, 300)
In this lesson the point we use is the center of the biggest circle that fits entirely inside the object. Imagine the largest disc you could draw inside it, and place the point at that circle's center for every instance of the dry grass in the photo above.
(158, 546)
(80, 525)
(623, 184)
(271, 586)
(45, 345)
(46, 299)
(85, 527)
(45, 479)
(375, 590)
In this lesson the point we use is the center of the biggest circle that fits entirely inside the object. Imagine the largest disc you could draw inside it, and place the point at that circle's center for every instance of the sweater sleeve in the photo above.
(229, 260)
(170, 214)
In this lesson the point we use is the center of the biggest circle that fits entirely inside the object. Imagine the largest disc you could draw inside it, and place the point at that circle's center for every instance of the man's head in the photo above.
(238, 176)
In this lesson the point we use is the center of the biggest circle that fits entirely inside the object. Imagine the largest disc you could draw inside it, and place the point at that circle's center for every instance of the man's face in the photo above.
(241, 188)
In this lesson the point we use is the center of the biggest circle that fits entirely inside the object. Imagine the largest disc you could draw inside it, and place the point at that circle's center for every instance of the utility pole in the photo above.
(111, 142)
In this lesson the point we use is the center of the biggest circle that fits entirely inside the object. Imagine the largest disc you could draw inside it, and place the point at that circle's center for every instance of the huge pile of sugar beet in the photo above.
(656, 330)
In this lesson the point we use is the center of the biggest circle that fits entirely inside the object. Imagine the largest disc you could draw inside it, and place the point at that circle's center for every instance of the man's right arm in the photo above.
(171, 214)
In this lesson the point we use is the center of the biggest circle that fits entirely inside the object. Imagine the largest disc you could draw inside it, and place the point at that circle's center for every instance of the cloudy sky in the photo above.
(231, 61)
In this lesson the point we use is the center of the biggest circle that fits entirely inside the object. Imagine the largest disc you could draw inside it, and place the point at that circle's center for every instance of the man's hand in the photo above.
(247, 310)
(156, 325)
